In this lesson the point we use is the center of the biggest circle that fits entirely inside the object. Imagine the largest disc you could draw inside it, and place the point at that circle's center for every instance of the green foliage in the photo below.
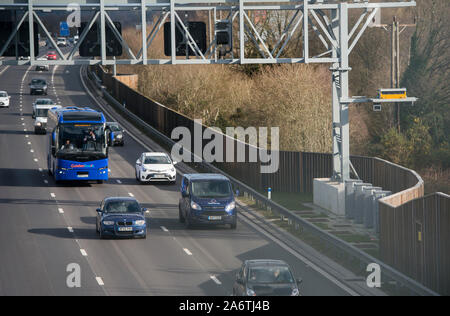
(427, 77)
(420, 143)
(413, 148)
(395, 147)
(425, 127)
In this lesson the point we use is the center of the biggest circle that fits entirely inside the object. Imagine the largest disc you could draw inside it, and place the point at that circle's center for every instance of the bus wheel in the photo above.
(100, 181)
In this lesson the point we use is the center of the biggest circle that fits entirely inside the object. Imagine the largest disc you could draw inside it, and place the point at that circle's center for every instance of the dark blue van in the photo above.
(207, 199)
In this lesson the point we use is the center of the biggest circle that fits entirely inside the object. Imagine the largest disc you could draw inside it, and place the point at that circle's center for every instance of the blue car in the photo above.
(207, 199)
(121, 217)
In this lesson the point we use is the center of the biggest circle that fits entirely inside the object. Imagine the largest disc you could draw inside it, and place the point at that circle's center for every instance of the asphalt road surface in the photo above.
(44, 227)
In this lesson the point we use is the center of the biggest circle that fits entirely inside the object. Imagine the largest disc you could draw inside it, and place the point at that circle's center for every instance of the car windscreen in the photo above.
(42, 112)
(81, 138)
(114, 128)
(270, 274)
(37, 81)
(211, 188)
(3, 95)
(122, 207)
(156, 160)
(44, 101)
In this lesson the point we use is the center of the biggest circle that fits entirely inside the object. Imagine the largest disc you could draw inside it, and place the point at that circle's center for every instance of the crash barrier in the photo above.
(335, 246)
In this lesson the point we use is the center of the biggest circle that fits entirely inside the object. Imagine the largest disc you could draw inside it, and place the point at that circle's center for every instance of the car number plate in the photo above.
(158, 176)
(125, 229)
(214, 218)
(83, 176)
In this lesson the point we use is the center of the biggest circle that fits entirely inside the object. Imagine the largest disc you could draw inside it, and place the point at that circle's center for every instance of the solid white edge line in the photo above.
(1, 73)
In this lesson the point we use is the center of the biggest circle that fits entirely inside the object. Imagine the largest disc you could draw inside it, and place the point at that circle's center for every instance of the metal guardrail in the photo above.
(388, 272)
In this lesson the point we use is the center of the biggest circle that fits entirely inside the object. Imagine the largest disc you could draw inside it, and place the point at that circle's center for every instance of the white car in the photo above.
(61, 41)
(153, 166)
(39, 102)
(41, 117)
(4, 99)
(42, 67)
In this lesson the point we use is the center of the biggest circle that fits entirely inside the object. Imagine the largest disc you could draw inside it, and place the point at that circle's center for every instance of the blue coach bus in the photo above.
(78, 148)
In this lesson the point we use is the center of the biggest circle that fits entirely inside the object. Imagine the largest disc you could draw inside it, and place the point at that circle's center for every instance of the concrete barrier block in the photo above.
(329, 195)
(349, 192)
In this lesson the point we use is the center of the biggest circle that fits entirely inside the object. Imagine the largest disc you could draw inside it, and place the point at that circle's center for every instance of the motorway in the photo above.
(44, 226)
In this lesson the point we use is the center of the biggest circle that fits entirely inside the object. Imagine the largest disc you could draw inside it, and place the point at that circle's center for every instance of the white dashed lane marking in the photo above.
(216, 280)
(187, 251)
(70, 229)
(164, 229)
(83, 252)
(131, 194)
(99, 281)
(61, 211)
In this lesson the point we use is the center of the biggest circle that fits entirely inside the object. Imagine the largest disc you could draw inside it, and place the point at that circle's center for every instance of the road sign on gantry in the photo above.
(64, 29)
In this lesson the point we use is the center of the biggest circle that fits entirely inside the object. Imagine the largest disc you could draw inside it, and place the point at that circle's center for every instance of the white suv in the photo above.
(153, 166)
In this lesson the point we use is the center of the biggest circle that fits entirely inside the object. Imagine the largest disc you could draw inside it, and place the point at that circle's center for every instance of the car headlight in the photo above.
(172, 169)
(250, 292)
(195, 206)
(108, 223)
(230, 207)
(38, 124)
(295, 292)
(140, 222)
(119, 136)
(144, 170)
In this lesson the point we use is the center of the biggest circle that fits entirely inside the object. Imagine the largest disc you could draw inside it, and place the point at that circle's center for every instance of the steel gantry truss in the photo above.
(327, 19)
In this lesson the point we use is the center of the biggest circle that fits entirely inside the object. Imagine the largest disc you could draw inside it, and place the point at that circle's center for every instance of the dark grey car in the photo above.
(266, 278)
(38, 86)
(115, 134)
